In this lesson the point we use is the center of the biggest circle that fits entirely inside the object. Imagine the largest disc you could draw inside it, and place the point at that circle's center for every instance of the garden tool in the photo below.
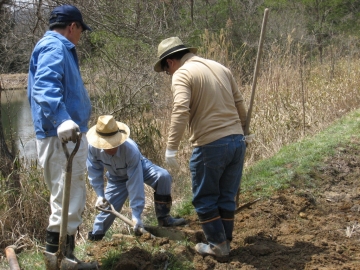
(246, 205)
(153, 232)
(256, 72)
(56, 261)
(123, 218)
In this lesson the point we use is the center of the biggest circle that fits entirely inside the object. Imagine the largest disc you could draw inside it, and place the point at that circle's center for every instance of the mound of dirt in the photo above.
(298, 228)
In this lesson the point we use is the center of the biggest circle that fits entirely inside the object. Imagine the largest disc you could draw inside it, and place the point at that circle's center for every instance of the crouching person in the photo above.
(112, 152)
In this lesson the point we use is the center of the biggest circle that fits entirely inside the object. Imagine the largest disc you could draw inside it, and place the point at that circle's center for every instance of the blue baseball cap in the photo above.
(67, 13)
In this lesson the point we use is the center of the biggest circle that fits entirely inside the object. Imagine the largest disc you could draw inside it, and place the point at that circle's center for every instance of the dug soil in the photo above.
(312, 226)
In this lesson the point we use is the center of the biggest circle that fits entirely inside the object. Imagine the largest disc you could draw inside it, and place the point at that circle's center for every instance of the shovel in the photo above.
(56, 261)
(123, 218)
(155, 232)
(256, 72)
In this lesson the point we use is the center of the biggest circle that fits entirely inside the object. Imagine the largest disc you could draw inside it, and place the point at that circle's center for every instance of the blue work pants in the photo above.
(216, 170)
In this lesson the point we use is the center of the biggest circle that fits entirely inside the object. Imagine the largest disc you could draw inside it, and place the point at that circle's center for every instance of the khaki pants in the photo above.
(52, 159)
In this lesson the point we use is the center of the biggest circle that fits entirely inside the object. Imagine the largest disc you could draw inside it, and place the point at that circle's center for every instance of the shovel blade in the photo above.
(176, 234)
(67, 264)
(51, 262)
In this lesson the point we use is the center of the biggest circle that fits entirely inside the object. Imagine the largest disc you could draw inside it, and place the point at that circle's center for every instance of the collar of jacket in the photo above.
(68, 44)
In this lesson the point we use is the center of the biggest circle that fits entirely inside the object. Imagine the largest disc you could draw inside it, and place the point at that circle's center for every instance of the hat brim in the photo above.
(108, 142)
(85, 27)
(157, 66)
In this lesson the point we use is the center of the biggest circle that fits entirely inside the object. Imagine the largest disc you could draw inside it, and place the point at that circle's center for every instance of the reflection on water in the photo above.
(16, 117)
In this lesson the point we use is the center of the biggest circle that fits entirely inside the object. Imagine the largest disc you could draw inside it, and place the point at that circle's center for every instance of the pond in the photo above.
(16, 119)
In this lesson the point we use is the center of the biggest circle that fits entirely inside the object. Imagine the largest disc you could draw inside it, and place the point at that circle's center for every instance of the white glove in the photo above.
(249, 138)
(67, 131)
(170, 158)
(101, 202)
(138, 226)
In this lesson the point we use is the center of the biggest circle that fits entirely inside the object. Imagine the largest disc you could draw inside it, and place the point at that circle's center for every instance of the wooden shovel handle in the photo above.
(123, 218)
(246, 205)
(66, 194)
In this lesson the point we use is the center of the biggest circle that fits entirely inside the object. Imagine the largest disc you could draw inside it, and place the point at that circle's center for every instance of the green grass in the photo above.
(33, 260)
(184, 208)
(294, 163)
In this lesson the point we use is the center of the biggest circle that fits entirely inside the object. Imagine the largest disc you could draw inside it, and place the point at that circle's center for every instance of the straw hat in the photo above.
(107, 133)
(169, 46)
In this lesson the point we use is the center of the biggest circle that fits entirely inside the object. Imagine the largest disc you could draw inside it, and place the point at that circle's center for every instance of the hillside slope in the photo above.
(310, 223)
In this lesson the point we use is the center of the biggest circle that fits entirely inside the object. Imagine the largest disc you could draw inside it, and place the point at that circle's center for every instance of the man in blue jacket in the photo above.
(112, 152)
(60, 108)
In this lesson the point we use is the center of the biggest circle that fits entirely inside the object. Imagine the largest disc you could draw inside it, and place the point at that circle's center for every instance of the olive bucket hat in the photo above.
(107, 133)
(169, 46)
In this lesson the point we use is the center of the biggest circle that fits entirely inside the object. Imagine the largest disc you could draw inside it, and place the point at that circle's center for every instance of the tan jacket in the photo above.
(207, 97)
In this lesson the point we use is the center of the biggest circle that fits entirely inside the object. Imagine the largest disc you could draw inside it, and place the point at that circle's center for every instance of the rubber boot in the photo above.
(162, 209)
(69, 253)
(215, 235)
(52, 241)
(229, 227)
(95, 237)
(227, 218)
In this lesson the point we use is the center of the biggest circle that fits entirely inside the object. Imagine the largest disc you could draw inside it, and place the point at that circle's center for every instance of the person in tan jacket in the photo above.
(206, 96)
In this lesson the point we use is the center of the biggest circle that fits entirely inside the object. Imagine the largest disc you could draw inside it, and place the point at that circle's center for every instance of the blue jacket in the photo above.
(56, 91)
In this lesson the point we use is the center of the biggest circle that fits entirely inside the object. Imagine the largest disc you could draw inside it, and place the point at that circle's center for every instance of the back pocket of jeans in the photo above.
(215, 155)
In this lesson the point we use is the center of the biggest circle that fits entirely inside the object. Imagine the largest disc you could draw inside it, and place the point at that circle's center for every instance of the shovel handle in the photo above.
(246, 205)
(256, 70)
(123, 218)
(66, 193)
(70, 157)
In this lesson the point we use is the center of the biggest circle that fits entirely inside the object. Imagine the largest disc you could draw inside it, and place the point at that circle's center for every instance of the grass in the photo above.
(296, 161)
(352, 230)
(29, 261)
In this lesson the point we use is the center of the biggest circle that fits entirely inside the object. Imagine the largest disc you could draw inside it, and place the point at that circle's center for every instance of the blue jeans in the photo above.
(216, 170)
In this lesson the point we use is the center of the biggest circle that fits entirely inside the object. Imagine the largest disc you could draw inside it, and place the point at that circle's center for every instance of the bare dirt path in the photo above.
(298, 228)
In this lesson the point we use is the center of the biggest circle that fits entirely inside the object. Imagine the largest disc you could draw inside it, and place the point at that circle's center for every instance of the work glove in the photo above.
(138, 226)
(170, 158)
(67, 131)
(249, 138)
(101, 202)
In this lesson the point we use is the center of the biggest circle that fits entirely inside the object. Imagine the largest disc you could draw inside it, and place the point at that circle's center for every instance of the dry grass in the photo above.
(24, 213)
(13, 81)
(352, 230)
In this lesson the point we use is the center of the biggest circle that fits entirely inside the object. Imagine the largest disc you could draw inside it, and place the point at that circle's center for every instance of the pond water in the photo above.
(16, 119)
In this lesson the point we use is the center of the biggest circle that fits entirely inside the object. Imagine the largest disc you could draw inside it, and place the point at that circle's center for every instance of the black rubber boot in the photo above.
(227, 218)
(228, 226)
(215, 235)
(70, 247)
(95, 237)
(52, 241)
(69, 253)
(162, 210)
